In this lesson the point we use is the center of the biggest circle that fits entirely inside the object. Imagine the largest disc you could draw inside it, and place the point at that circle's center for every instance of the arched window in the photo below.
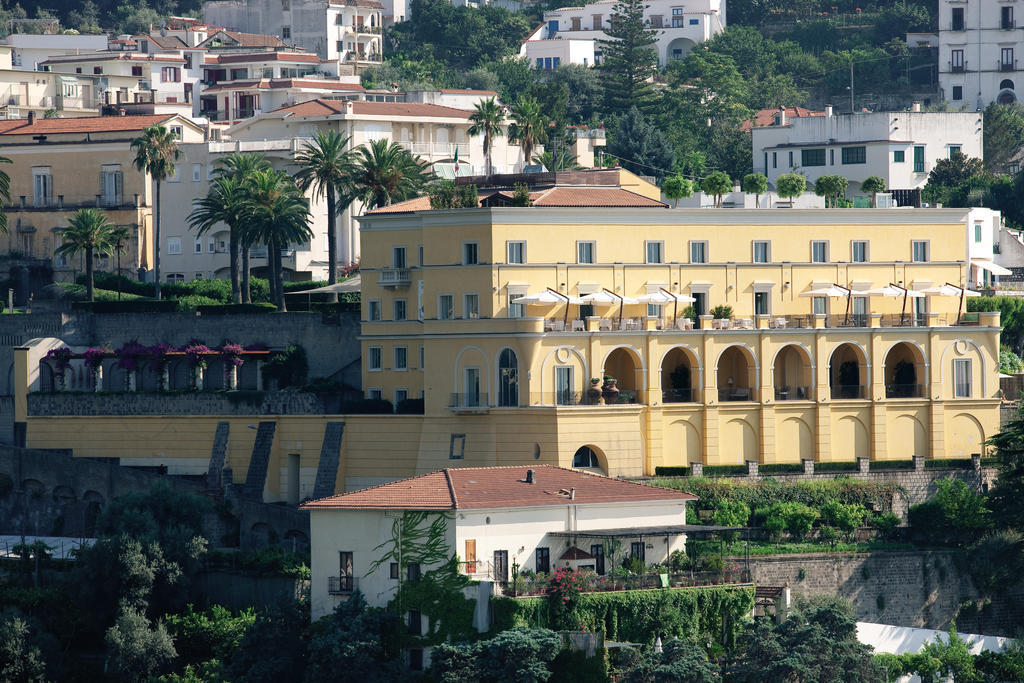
(508, 379)
(1006, 84)
(585, 457)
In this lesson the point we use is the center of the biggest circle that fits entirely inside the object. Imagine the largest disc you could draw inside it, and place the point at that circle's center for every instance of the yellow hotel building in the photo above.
(868, 372)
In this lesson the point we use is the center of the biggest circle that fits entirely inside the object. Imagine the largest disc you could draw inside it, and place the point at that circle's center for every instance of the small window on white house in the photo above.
(173, 245)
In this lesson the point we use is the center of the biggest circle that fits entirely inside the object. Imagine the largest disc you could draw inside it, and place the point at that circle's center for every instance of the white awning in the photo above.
(991, 267)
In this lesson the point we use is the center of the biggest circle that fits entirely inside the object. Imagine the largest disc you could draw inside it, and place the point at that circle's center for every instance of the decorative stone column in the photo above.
(97, 379)
(259, 375)
(198, 373)
(232, 377)
(696, 469)
(165, 377)
(131, 379)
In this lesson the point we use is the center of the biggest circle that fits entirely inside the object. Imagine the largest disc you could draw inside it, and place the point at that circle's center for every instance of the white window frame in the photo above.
(423, 357)
(825, 244)
(705, 256)
(767, 244)
(959, 363)
(405, 310)
(400, 390)
(370, 351)
(466, 298)
(173, 246)
(399, 257)
(520, 246)
(466, 247)
(197, 172)
(853, 251)
(593, 252)
(660, 244)
(926, 244)
(197, 246)
(440, 308)
(375, 393)
(404, 365)
(42, 190)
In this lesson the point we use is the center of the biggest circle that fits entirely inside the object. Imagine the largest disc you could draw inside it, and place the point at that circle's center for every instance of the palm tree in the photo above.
(528, 128)
(384, 173)
(563, 161)
(278, 215)
(156, 150)
(487, 118)
(241, 166)
(90, 232)
(225, 203)
(119, 236)
(326, 166)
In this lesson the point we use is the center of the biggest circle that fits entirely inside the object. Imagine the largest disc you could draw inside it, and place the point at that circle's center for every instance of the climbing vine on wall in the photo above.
(418, 537)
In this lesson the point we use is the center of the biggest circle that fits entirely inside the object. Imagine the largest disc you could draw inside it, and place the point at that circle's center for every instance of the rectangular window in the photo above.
(899, 156)
(197, 246)
(373, 310)
(819, 305)
(401, 358)
(775, 159)
(516, 252)
(457, 447)
(962, 377)
(197, 172)
(855, 155)
(701, 302)
(211, 246)
(953, 149)
(515, 310)
(413, 572)
(637, 550)
(919, 250)
(471, 306)
(762, 251)
(597, 550)
(585, 252)
(170, 74)
(374, 358)
(958, 92)
(346, 572)
(1006, 17)
(919, 159)
(419, 255)
(173, 245)
(472, 387)
(445, 307)
(375, 393)
(859, 251)
(791, 159)
(394, 570)
(401, 395)
(543, 560)
(563, 385)
(42, 186)
(694, 22)
(761, 304)
(812, 157)
(698, 251)
(398, 257)
(956, 60)
(831, 157)
(399, 306)
(977, 232)
(654, 252)
(422, 357)
(286, 32)
(136, 71)
(470, 252)
(111, 184)
(819, 251)
(957, 19)
(654, 310)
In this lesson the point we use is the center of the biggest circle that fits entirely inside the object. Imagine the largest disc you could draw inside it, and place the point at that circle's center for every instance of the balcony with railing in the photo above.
(904, 391)
(566, 398)
(679, 396)
(848, 392)
(445, 150)
(1007, 66)
(736, 394)
(478, 570)
(788, 393)
(472, 401)
(394, 277)
(342, 585)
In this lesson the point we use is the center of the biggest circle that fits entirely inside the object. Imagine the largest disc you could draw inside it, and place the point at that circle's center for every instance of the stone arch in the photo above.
(681, 375)
(475, 358)
(966, 436)
(591, 458)
(33, 487)
(907, 437)
(1006, 84)
(678, 49)
(626, 365)
(262, 533)
(1006, 97)
(851, 439)
(741, 437)
(905, 370)
(63, 494)
(793, 373)
(562, 356)
(93, 497)
(848, 371)
(798, 440)
(507, 381)
(682, 444)
(736, 373)
(295, 540)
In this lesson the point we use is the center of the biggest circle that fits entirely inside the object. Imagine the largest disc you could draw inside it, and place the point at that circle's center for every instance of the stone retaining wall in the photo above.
(197, 403)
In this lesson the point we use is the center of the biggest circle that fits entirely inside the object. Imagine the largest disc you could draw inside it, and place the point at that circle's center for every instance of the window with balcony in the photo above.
(957, 19)
(374, 358)
(345, 581)
(1006, 59)
(956, 60)
(855, 155)
(962, 377)
(399, 309)
(471, 306)
(445, 307)
(812, 157)
(42, 186)
(1006, 17)
(655, 251)
(470, 253)
(516, 252)
(401, 358)
(698, 251)
(919, 250)
(819, 251)
(585, 252)
(762, 251)
(373, 310)
(859, 251)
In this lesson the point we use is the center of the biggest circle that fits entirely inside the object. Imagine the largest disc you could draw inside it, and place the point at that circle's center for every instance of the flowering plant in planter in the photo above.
(160, 361)
(131, 356)
(61, 359)
(195, 353)
(94, 358)
(563, 590)
(232, 355)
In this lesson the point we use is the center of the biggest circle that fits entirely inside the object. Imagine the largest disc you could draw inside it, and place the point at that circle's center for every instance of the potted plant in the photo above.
(609, 390)
(161, 363)
(94, 363)
(721, 312)
(594, 393)
(195, 353)
(232, 355)
(61, 358)
(129, 359)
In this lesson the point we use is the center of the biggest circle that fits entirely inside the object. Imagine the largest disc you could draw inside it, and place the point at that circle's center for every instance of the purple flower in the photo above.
(94, 358)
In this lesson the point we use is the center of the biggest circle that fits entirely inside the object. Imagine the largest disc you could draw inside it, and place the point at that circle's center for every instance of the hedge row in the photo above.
(640, 616)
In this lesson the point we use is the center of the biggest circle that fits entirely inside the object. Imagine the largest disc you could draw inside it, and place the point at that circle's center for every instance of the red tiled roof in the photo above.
(368, 4)
(265, 57)
(496, 487)
(89, 124)
(109, 56)
(322, 107)
(408, 206)
(766, 117)
(595, 197)
(574, 553)
(272, 83)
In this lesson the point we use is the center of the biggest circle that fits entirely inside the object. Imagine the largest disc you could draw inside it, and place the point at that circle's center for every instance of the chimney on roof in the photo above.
(531, 477)
(916, 106)
(349, 107)
(782, 116)
(572, 494)
(122, 112)
(828, 110)
(31, 117)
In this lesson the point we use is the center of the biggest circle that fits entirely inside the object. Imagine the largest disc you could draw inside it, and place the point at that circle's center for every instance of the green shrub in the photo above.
(846, 518)
(672, 471)
(948, 464)
(292, 287)
(410, 406)
(885, 524)
(726, 470)
(193, 301)
(955, 515)
(236, 309)
(211, 634)
(835, 467)
(780, 468)
(882, 465)
(795, 518)
(289, 367)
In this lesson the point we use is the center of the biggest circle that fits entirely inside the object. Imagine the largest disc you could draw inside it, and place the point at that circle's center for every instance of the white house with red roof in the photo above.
(495, 519)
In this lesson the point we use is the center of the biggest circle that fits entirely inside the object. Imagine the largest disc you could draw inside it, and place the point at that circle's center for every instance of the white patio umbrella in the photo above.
(895, 290)
(951, 290)
(834, 291)
(605, 297)
(548, 297)
(663, 296)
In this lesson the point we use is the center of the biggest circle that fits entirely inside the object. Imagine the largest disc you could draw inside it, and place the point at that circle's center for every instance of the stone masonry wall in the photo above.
(198, 403)
(922, 589)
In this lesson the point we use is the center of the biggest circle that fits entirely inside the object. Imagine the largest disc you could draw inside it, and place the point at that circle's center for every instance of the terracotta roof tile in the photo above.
(496, 487)
(457, 91)
(247, 39)
(766, 117)
(89, 124)
(272, 83)
(322, 107)
(369, 4)
(595, 197)
(408, 206)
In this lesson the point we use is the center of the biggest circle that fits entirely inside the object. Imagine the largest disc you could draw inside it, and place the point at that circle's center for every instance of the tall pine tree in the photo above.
(630, 60)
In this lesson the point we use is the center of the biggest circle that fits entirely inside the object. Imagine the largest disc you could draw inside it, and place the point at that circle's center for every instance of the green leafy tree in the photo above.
(872, 185)
(156, 150)
(385, 172)
(685, 662)
(950, 174)
(1004, 135)
(1006, 497)
(957, 662)
(241, 166)
(273, 649)
(630, 60)
(1010, 363)
(90, 233)
(353, 639)
(20, 661)
(755, 184)
(326, 167)
(486, 120)
(677, 187)
(518, 654)
(955, 515)
(279, 217)
(528, 127)
(716, 184)
(640, 147)
(846, 518)
(136, 649)
(585, 85)
(831, 187)
(211, 634)
(790, 185)
(560, 161)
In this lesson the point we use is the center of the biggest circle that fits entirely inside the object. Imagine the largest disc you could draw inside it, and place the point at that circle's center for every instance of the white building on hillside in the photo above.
(901, 147)
(569, 35)
(492, 518)
(980, 52)
(31, 50)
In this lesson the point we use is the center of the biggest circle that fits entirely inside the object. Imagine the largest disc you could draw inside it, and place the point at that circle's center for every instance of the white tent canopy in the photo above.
(893, 291)
(830, 291)
(948, 290)
(992, 268)
(663, 297)
(547, 297)
(603, 297)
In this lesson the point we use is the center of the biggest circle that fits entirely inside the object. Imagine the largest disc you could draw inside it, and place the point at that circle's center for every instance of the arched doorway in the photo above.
(587, 458)
(1006, 94)
(680, 379)
(736, 375)
(792, 374)
(848, 372)
(904, 371)
(678, 49)
(622, 365)
(508, 379)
